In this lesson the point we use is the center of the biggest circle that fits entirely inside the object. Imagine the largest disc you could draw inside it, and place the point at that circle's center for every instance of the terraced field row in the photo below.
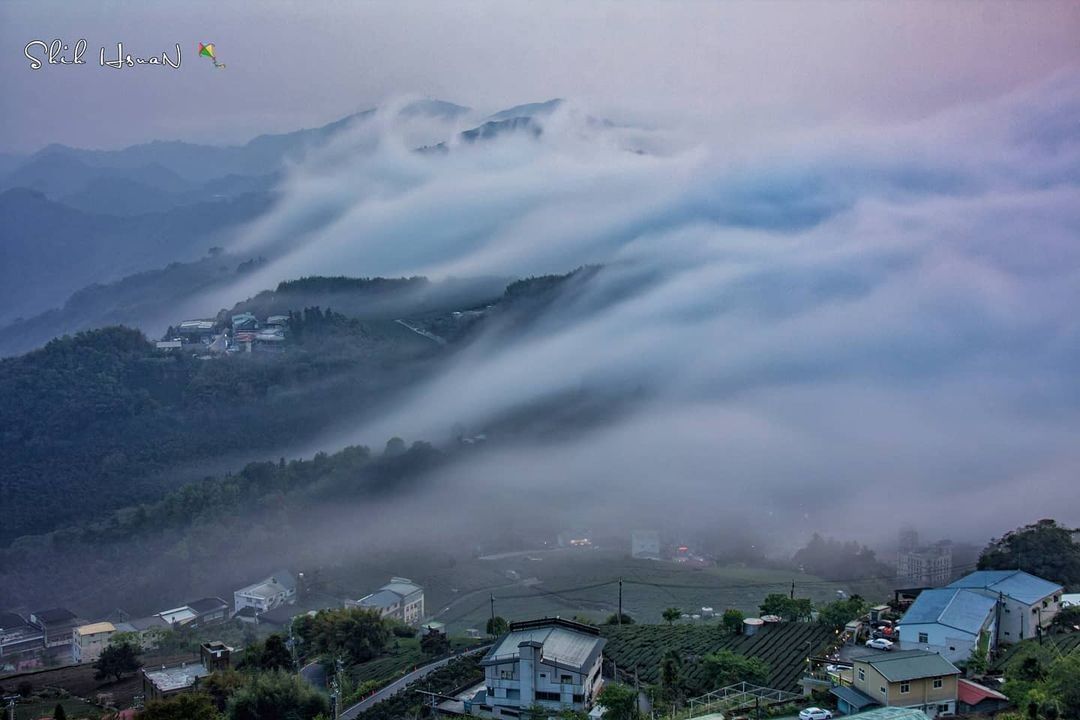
(784, 647)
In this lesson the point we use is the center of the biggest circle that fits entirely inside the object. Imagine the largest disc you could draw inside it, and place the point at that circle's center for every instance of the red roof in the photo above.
(973, 693)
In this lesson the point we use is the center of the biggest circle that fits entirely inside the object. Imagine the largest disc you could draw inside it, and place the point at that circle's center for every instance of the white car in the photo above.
(879, 644)
(815, 713)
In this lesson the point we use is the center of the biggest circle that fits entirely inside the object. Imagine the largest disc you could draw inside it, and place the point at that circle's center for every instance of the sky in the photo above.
(850, 229)
(737, 68)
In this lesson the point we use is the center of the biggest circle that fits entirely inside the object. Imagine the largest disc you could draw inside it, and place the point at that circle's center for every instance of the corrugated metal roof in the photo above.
(95, 628)
(178, 677)
(910, 665)
(973, 693)
(560, 645)
(960, 609)
(853, 697)
(1016, 584)
(891, 713)
(380, 599)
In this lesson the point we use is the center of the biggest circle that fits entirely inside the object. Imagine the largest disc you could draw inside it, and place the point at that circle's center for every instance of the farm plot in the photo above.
(784, 647)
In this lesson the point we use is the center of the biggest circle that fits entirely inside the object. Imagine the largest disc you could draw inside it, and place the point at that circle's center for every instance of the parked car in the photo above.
(815, 713)
(879, 644)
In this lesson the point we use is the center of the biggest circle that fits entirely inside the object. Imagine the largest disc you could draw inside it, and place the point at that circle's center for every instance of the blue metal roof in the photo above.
(958, 608)
(1016, 584)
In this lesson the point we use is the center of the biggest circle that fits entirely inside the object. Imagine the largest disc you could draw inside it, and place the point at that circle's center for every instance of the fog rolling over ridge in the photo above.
(815, 322)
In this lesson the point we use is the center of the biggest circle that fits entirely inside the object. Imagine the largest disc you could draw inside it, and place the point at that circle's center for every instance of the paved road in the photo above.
(315, 674)
(398, 685)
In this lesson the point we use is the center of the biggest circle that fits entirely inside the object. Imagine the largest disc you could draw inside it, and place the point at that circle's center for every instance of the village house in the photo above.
(56, 625)
(553, 663)
(146, 632)
(400, 599)
(21, 642)
(166, 681)
(1026, 603)
(87, 641)
(267, 594)
(913, 679)
(951, 622)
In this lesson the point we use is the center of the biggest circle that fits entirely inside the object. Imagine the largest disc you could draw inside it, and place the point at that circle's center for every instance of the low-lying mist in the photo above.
(842, 331)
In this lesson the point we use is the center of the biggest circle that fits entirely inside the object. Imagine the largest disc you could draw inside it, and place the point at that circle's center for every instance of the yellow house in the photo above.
(87, 641)
(910, 679)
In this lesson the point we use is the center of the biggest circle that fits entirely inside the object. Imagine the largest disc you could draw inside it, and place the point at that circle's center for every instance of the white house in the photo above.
(1026, 602)
(276, 590)
(554, 663)
(949, 621)
(400, 598)
(87, 641)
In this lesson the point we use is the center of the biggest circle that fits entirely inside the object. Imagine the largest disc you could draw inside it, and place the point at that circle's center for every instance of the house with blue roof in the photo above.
(988, 607)
(950, 622)
(1026, 602)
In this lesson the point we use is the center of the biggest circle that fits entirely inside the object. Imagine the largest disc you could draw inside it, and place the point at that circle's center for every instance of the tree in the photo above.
(221, 686)
(116, 660)
(277, 696)
(1045, 549)
(671, 675)
(496, 626)
(839, 613)
(732, 620)
(25, 688)
(672, 614)
(186, 706)
(1067, 619)
(620, 701)
(59, 713)
(275, 655)
(788, 608)
(434, 643)
(727, 668)
(613, 619)
(359, 634)
(838, 560)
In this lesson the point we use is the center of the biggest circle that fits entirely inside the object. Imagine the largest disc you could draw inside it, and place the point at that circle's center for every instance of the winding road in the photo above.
(398, 685)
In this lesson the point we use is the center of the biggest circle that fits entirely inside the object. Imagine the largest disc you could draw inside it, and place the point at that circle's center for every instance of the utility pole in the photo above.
(793, 588)
(493, 613)
(11, 700)
(620, 602)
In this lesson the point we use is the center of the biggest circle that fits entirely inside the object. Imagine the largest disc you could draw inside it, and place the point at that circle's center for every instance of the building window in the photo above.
(905, 688)
(924, 638)
(862, 674)
(943, 708)
(566, 679)
(882, 690)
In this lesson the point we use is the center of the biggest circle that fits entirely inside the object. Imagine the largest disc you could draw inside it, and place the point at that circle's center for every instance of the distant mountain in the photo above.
(528, 110)
(49, 250)
(149, 301)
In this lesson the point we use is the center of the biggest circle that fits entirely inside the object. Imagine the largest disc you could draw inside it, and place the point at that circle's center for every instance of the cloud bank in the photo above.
(863, 323)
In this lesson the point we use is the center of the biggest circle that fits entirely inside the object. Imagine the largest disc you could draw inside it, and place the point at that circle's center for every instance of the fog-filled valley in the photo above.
(639, 324)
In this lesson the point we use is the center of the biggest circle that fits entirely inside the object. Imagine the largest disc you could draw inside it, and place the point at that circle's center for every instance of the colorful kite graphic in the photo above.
(208, 50)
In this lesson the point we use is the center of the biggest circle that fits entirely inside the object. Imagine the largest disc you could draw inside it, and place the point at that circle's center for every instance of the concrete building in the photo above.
(148, 631)
(166, 681)
(274, 591)
(20, 641)
(56, 625)
(929, 566)
(912, 679)
(554, 663)
(401, 599)
(1026, 603)
(645, 544)
(949, 621)
(87, 641)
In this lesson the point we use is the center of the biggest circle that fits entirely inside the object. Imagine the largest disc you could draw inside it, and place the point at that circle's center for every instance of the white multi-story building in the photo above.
(401, 599)
(926, 567)
(553, 663)
(87, 641)
(277, 590)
